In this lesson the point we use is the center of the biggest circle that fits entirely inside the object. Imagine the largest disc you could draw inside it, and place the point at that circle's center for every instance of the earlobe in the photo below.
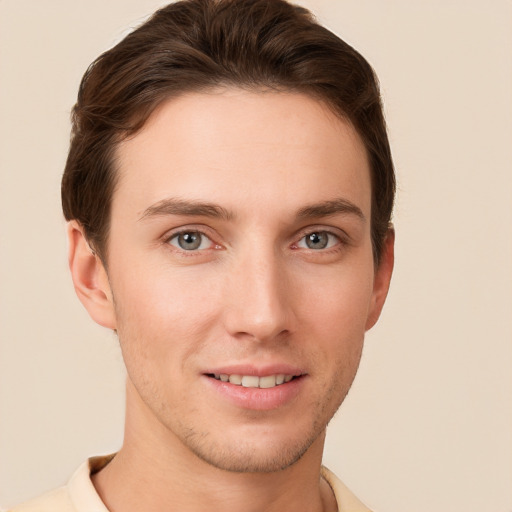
(382, 279)
(89, 278)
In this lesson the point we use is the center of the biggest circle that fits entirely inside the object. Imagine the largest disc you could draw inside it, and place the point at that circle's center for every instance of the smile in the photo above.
(253, 381)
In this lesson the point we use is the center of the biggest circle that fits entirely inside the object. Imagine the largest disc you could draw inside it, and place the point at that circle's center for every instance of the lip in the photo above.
(257, 371)
(256, 399)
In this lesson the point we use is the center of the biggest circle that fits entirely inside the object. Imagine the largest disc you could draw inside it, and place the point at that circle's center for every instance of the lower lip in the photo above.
(258, 399)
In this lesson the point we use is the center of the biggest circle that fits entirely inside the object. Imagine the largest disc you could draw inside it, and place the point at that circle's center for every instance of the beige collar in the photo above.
(86, 499)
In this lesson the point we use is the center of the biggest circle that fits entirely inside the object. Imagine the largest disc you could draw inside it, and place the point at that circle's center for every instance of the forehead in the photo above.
(242, 149)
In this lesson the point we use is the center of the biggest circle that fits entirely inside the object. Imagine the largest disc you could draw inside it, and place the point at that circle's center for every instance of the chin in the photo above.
(255, 453)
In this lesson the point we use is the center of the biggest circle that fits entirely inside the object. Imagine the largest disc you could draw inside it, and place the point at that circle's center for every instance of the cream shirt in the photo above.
(79, 495)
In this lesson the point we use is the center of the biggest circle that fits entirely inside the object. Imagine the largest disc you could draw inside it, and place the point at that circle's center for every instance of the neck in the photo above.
(157, 472)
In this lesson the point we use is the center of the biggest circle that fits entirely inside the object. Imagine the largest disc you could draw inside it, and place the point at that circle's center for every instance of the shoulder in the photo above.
(79, 495)
(57, 500)
(345, 499)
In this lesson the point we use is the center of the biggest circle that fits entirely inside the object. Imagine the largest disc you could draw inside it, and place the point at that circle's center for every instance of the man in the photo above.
(229, 189)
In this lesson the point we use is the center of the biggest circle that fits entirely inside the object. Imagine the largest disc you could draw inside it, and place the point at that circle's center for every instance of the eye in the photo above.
(318, 240)
(191, 241)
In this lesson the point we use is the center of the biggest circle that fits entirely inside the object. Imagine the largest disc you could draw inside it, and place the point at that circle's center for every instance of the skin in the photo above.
(277, 167)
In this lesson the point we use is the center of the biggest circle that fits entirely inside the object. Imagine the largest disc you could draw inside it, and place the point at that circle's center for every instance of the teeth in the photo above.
(267, 382)
(235, 379)
(252, 381)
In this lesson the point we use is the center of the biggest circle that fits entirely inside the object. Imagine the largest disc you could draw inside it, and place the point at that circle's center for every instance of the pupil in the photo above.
(189, 241)
(317, 240)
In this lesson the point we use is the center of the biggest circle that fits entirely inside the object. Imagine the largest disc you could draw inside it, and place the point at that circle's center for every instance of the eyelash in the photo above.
(339, 243)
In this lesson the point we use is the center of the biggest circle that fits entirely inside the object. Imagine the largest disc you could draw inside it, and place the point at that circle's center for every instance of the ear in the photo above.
(382, 279)
(90, 278)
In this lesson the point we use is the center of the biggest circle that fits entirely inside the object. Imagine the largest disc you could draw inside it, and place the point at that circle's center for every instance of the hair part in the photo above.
(199, 45)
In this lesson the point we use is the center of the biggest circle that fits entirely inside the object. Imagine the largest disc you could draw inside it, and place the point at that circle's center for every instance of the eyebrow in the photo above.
(331, 207)
(175, 206)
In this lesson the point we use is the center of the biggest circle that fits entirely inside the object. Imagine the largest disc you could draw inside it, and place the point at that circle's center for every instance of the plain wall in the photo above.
(428, 424)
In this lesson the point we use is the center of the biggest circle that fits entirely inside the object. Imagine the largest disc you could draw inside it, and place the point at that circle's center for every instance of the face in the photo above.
(241, 273)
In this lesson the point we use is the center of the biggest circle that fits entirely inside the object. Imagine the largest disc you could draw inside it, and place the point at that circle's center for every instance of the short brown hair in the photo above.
(195, 45)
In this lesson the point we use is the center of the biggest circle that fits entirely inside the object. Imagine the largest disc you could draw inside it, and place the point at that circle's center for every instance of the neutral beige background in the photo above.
(428, 424)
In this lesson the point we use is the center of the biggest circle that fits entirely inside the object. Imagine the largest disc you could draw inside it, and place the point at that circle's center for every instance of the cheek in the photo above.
(161, 294)
(161, 315)
(335, 314)
(337, 303)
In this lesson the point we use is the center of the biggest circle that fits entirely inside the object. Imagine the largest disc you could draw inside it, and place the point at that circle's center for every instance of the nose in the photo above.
(259, 300)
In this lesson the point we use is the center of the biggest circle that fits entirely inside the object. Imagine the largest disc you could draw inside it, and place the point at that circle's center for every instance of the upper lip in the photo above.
(255, 370)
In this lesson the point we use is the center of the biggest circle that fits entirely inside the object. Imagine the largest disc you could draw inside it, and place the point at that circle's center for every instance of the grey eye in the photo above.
(318, 240)
(190, 241)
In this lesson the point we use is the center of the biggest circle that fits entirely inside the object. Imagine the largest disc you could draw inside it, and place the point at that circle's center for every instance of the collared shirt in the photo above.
(79, 495)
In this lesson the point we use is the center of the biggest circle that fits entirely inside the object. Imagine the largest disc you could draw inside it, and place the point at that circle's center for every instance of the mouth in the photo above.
(249, 387)
(253, 381)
